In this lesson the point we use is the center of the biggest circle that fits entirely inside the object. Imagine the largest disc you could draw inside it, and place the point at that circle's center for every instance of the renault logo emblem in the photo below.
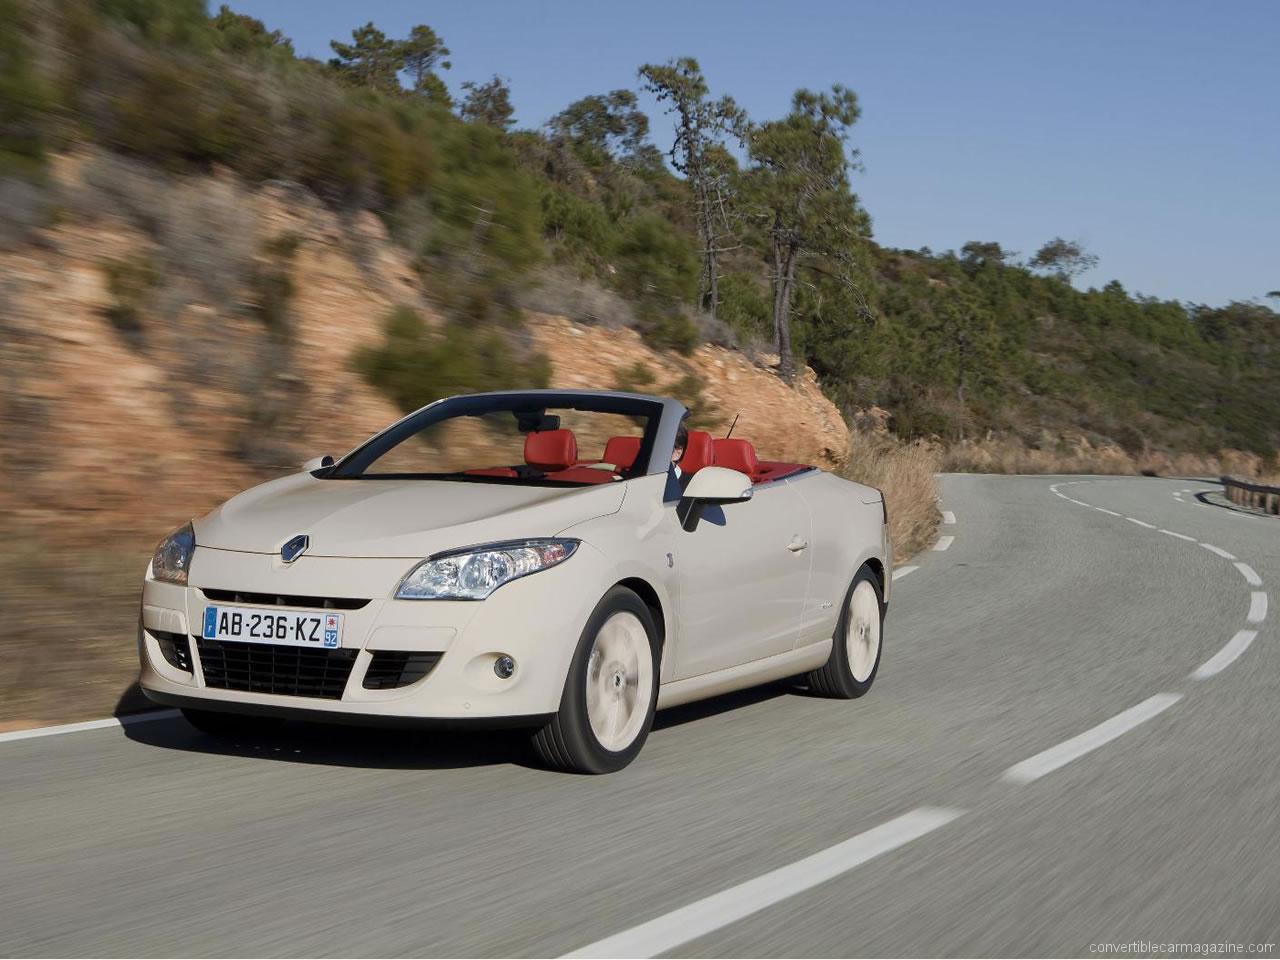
(295, 548)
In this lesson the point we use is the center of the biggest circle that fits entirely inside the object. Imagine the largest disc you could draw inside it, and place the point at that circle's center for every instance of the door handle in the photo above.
(796, 545)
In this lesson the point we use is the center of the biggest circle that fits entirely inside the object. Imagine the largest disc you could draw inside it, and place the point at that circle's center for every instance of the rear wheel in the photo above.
(610, 693)
(856, 644)
(218, 724)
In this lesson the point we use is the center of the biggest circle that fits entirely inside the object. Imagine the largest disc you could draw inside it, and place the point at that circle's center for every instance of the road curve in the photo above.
(1072, 740)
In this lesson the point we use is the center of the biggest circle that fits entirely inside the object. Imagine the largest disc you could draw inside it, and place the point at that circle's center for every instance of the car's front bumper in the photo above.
(536, 621)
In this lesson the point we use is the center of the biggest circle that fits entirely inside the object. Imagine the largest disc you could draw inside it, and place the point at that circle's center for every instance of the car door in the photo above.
(741, 577)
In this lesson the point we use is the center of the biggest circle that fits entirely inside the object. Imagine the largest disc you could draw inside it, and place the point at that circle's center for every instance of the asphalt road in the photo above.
(996, 793)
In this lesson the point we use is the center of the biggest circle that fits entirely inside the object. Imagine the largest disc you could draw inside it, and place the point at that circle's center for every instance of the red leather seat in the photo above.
(699, 452)
(622, 451)
(737, 455)
(550, 450)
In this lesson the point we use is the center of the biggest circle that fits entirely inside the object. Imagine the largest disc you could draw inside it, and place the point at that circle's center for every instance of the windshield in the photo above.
(528, 439)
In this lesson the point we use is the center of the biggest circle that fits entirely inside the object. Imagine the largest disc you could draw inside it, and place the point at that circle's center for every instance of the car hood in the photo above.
(397, 518)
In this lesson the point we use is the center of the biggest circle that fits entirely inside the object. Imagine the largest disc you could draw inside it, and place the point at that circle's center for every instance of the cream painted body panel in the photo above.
(629, 532)
(743, 580)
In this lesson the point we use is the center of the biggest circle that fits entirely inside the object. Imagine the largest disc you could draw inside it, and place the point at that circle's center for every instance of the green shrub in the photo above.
(130, 283)
(414, 365)
(24, 100)
(656, 262)
(702, 415)
(634, 379)
(669, 329)
(745, 305)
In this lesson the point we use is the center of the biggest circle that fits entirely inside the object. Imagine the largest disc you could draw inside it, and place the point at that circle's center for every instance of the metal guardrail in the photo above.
(1260, 496)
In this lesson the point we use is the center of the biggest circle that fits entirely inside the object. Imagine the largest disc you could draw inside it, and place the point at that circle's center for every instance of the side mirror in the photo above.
(718, 485)
(318, 463)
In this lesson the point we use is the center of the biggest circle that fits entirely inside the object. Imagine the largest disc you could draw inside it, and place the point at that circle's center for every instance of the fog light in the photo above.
(504, 667)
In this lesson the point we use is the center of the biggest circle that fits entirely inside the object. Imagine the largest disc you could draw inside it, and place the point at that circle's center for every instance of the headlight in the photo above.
(173, 556)
(475, 572)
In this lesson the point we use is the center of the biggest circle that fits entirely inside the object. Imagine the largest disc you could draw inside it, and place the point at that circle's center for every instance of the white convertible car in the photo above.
(544, 559)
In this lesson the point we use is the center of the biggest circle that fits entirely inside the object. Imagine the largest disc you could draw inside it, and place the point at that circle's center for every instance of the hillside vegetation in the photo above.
(724, 228)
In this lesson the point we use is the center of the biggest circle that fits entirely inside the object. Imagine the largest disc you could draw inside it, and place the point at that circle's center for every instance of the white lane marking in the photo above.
(948, 517)
(1226, 656)
(1218, 550)
(1050, 760)
(944, 542)
(736, 903)
(1250, 575)
(1257, 606)
(903, 571)
(1141, 523)
(1180, 536)
(88, 725)
(1109, 513)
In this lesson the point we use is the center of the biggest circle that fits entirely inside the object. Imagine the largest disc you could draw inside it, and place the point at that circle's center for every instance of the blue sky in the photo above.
(1150, 131)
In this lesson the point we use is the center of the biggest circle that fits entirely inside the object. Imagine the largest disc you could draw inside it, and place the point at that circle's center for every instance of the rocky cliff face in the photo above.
(141, 384)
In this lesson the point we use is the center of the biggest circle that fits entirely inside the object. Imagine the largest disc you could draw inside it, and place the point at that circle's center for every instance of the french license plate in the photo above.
(295, 628)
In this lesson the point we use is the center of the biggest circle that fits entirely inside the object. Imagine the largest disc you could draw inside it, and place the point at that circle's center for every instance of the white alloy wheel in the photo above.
(619, 681)
(862, 631)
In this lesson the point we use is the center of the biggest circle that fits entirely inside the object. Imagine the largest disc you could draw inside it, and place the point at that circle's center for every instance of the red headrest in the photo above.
(736, 455)
(622, 451)
(698, 452)
(550, 449)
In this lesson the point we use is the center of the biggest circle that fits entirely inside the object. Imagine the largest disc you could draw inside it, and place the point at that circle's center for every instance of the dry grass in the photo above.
(1076, 454)
(67, 634)
(907, 474)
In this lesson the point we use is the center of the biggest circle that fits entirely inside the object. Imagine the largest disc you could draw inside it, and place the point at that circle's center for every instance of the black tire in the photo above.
(567, 742)
(218, 724)
(835, 678)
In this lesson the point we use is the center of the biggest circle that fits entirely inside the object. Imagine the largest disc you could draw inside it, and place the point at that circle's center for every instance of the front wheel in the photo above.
(610, 693)
(855, 647)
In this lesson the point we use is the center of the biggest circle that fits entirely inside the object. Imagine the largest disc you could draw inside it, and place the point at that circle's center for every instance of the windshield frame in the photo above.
(662, 417)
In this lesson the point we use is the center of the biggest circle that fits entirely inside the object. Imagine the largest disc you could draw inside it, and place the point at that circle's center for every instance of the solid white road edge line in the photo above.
(1109, 513)
(124, 721)
(1257, 606)
(944, 542)
(1218, 550)
(1141, 523)
(728, 906)
(1226, 656)
(948, 517)
(1250, 575)
(1180, 536)
(902, 572)
(1050, 760)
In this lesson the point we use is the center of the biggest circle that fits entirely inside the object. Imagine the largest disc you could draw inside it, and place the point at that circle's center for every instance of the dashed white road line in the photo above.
(88, 725)
(948, 517)
(1180, 536)
(903, 571)
(1050, 760)
(736, 903)
(1250, 575)
(944, 542)
(1218, 550)
(1226, 656)
(1141, 523)
(1257, 606)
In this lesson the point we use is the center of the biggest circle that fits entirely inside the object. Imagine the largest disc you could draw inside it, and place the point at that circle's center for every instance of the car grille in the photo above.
(285, 600)
(272, 668)
(175, 648)
(397, 668)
